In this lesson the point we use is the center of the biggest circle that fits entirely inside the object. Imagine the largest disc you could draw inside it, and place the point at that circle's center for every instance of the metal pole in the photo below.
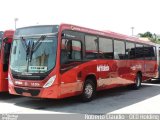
(15, 20)
(15, 24)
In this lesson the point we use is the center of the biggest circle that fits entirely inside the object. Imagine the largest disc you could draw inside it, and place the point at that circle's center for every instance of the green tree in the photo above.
(150, 36)
(146, 34)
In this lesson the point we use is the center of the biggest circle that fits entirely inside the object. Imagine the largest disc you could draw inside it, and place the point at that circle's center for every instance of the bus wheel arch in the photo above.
(92, 78)
(89, 88)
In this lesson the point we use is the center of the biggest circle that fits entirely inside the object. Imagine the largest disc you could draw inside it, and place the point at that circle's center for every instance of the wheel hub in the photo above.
(88, 90)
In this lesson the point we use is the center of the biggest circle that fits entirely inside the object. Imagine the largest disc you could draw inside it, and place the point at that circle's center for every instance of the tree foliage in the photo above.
(146, 34)
(152, 37)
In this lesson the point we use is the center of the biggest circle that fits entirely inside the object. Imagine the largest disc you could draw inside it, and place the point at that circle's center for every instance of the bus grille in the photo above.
(28, 77)
(33, 92)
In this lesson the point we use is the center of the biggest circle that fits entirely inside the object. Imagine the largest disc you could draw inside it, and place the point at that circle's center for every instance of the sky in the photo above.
(114, 15)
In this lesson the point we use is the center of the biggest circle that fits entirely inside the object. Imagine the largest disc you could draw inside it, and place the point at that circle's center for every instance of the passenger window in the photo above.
(149, 52)
(71, 50)
(106, 48)
(130, 50)
(1, 34)
(139, 53)
(6, 56)
(119, 49)
(154, 54)
(0, 44)
(91, 44)
(76, 50)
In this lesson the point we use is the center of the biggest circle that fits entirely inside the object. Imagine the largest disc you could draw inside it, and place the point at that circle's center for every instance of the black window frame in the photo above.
(152, 57)
(106, 46)
(141, 58)
(83, 41)
(69, 60)
(97, 47)
(155, 53)
(126, 49)
(114, 39)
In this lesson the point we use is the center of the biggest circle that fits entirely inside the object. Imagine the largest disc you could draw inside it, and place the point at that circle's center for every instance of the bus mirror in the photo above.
(5, 39)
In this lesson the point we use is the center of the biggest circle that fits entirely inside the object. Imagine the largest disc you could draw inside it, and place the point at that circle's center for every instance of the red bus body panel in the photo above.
(70, 82)
(4, 75)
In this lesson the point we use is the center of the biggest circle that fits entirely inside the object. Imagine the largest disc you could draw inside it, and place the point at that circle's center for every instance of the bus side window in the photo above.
(154, 57)
(106, 48)
(0, 46)
(119, 49)
(139, 52)
(130, 50)
(76, 50)
(64, 55)
(91, 44)
(6, 56)
(71, 50)
(1, 34)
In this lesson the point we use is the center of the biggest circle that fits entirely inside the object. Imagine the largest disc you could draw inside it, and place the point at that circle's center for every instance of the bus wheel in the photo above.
(138, 81)
(89, 91)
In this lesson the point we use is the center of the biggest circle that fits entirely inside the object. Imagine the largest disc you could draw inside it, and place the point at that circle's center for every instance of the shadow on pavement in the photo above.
(7, 96)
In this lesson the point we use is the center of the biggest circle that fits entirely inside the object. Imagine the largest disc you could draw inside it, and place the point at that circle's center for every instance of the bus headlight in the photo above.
(49, 82)
(10, 80)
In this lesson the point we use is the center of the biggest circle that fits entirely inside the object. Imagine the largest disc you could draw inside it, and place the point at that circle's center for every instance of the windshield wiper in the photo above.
(27, 47)
(31, 52)
(35, 46)
(27, 51)
(31, 49)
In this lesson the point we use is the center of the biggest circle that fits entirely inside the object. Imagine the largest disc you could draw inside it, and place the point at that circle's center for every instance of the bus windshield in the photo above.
(33, 54)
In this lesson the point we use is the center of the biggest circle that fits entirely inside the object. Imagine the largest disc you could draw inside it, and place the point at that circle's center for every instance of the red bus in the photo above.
(58, 61)
(6, 38)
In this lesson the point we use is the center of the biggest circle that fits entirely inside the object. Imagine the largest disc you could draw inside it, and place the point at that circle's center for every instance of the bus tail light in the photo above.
(49, 82)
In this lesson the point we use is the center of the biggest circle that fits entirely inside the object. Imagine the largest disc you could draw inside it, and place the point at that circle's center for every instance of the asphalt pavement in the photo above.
(119, 100)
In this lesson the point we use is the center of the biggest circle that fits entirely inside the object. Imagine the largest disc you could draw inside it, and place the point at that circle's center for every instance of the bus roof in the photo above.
(109, 34)
(8, 33)
(38, 29)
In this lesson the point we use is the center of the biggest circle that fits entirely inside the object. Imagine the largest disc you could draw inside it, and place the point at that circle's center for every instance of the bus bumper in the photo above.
(50, 92)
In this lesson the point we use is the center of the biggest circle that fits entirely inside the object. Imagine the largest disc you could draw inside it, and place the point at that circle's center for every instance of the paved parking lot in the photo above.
(120, 100)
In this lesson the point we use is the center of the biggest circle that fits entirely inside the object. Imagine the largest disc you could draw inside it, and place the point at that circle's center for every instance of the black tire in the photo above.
(138, 81)
(89, 91)
(150, 80)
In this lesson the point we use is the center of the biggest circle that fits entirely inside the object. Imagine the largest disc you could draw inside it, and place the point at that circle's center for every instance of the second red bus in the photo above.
(6, 38)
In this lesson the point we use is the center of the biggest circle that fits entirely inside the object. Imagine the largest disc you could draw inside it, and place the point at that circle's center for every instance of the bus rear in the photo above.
(6, 38)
